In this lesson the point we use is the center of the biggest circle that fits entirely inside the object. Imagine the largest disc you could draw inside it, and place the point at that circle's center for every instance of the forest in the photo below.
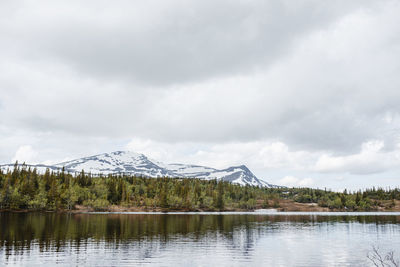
(25, 189)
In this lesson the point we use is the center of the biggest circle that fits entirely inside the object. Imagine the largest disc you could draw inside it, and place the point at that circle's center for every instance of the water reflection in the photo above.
(165, 239)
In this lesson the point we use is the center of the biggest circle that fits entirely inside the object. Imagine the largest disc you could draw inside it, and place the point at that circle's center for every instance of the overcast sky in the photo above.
(305, 93)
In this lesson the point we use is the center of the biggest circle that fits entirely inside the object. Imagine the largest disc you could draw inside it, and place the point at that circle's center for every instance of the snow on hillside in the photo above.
(128, 162)
(117, 162)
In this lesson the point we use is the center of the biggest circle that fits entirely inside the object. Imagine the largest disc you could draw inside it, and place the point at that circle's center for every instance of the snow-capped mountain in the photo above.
(117, 162)
(128, 162)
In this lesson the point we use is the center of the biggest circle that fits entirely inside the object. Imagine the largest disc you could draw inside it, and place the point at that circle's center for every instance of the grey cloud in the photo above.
(168, 43)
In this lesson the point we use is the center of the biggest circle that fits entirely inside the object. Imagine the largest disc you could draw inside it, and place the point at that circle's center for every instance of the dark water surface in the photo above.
(261, 239)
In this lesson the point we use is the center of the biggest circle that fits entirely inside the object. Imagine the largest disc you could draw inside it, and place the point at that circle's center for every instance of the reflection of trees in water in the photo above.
(145, 235)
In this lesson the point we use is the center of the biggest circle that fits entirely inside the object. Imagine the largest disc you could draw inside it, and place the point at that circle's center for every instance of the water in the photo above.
(180, 239)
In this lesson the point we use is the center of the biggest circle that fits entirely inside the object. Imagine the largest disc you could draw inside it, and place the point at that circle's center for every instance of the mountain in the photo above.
(127, 162)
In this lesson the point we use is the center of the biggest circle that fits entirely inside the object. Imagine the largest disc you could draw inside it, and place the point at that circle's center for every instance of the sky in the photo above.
(304, 93)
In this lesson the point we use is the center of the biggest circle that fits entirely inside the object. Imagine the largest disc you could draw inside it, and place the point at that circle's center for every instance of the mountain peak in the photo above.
(243, 167)
(125, 152)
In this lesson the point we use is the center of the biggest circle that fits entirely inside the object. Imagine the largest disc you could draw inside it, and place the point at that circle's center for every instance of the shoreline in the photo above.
(287, 207)
(281, 205)
(248, 212)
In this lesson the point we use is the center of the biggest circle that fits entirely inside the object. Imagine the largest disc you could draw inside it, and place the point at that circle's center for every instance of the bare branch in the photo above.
(378, 260)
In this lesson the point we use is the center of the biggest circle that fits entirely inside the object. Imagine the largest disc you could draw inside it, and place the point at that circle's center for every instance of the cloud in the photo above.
(165, 43)
(267, 156)
(371, 159)
(257, 154)
(308, 96)
(292, 181)
(25, 154)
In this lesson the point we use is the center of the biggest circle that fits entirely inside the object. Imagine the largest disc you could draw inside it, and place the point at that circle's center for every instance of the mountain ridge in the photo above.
(129, 162)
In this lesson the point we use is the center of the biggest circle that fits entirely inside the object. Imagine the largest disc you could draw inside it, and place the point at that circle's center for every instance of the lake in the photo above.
(196, 239)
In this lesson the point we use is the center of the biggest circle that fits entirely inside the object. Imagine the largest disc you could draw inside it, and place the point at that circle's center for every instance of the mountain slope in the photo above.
(126, 162)
(117, 162)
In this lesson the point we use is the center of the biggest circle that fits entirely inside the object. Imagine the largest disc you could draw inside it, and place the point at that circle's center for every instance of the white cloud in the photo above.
(25, 154)
(371, 159)
(267, 156)
(292, 181)
(257, 154)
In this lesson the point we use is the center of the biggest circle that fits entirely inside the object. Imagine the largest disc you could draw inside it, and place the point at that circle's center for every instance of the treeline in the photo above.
(24, 188)
(369, 199)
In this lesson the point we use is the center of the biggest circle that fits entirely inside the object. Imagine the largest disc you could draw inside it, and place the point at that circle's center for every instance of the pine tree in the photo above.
(220, 196)
(358, 198)
(164, 196)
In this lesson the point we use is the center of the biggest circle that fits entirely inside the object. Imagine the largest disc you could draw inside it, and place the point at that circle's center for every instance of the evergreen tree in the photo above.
(220, 196)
